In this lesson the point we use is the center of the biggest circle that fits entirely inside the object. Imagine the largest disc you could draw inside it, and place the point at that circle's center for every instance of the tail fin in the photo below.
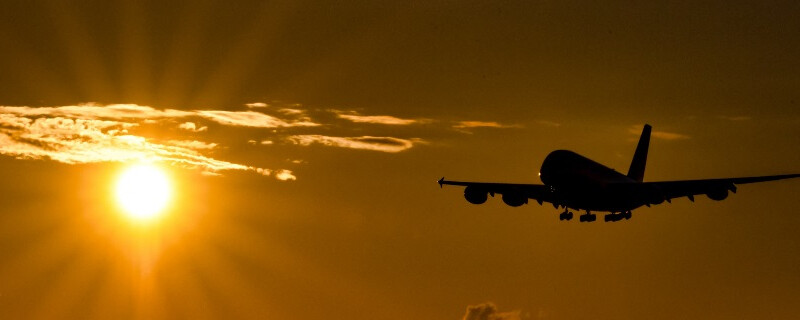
(636, 172)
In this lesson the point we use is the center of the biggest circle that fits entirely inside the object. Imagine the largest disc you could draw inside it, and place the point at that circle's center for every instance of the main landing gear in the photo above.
(588, 217)
(567, 215)
(614, 217)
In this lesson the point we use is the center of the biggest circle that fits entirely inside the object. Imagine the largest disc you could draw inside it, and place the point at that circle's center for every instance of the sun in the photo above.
(143, 192)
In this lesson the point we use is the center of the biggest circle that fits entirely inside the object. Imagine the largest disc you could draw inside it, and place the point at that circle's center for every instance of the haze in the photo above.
(305, 138)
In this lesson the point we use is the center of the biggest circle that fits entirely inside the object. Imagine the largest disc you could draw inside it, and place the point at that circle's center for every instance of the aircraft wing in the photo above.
(538, 192)
(711, 187)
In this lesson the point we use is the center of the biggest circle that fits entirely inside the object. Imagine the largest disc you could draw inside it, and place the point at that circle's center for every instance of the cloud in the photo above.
(548, 123)
(734, 118)
(388, 120)
(256, 105)
(291, 111)
(250, 119)
(193, 144)
(192, 127)
(663, 135)
(481, 124)
(75, 141)
(383, 144)
(488, 311)
(285, 175)
(131, 111)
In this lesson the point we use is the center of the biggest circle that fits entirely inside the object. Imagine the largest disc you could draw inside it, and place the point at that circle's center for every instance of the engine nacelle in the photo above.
(718, 194)
(655, 198)
(475, 195)
(514, 200)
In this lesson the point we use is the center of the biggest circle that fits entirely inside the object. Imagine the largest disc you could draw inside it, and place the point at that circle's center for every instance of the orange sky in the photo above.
(304, 139)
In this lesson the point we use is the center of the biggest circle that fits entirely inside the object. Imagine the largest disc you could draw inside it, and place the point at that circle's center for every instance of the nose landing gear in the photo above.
(614, 217)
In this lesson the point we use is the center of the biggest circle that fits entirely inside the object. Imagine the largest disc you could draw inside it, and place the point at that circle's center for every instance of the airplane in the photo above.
(571, 181)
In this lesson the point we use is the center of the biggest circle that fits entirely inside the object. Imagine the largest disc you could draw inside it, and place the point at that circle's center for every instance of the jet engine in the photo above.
(475, 195)
(718, 194)
(655, 198)
(514, 199)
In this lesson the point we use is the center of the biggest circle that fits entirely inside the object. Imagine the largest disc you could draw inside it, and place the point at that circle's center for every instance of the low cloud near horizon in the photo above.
(488, 311)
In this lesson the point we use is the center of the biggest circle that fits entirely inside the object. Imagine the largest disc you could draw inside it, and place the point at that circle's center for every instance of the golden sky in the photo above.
(303, 139)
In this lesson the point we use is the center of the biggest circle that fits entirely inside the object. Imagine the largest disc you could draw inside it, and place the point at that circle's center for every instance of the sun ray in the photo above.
(69, 288)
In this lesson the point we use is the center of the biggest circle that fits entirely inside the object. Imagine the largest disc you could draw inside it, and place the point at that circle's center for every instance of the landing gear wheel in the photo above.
(627, 215)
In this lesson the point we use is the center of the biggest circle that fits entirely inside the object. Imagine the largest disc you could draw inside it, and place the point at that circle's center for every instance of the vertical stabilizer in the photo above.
(636, 172)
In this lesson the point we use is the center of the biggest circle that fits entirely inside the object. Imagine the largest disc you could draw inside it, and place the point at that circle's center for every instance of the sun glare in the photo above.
(143, 192)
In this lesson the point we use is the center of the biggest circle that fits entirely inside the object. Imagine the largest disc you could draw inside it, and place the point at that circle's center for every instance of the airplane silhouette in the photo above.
(572, 181)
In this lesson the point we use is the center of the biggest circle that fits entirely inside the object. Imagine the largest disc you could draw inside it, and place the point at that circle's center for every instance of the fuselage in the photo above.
(580, 183)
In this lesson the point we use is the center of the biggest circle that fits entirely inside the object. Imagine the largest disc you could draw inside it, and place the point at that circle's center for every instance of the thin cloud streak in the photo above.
(481, 124)
(663, 135)
(191, 126)
(735, 118)
(382, 144)
(251, 119)
(192, 144)
(548, 123)
(256, 105)
(381, 119)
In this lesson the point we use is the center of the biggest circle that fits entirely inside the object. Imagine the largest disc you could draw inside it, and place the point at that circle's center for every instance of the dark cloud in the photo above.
(488, 311)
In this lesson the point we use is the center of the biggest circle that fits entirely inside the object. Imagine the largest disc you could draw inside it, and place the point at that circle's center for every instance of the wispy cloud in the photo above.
(250, 119)
(256, 105)
(481, 124)
(548, 123)
(380, 119)
(191, 126)
(735, 118)
(383, 144)
(663, 135)
(192, 144)
(488, 311)
(291, 111)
